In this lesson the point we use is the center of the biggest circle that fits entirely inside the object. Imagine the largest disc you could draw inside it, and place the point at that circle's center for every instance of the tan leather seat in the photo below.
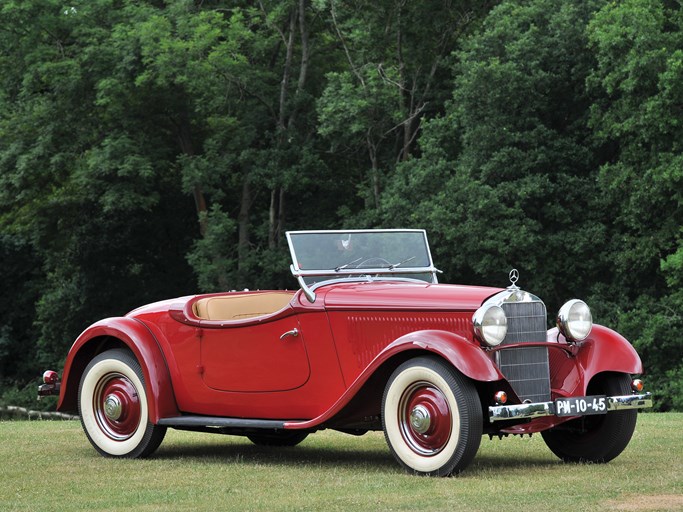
(238, 307)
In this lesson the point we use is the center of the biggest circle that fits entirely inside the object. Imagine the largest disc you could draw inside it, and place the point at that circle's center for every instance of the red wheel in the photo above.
(112, 403)
(117, 406)
(432, 417)
(425, 419)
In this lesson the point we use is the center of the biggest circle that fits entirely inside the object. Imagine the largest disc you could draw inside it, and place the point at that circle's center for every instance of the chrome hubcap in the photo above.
(420, 419)
(112, 407)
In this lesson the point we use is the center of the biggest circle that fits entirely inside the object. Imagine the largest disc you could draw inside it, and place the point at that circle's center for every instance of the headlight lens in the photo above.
(575, 320)
(490, 325)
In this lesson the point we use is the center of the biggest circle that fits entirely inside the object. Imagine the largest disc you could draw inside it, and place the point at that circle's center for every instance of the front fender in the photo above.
(467, 357)
(109, 333)
(606, 350)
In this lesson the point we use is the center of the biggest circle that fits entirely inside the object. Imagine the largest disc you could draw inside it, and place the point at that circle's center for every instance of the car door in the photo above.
(255, 356)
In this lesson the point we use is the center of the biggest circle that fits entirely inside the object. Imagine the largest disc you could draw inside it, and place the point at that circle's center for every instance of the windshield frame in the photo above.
(394, 272)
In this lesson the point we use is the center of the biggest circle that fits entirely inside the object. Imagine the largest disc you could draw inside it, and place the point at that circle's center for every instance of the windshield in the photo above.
(323, 255)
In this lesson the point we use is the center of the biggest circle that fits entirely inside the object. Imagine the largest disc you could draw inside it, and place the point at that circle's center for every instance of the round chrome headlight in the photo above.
(490, 325)
(575, 320)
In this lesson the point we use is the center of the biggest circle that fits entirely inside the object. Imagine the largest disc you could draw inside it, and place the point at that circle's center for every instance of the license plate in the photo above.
(581, 405)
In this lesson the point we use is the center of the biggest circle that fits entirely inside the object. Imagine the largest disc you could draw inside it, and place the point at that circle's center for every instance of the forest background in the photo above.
(151, 149)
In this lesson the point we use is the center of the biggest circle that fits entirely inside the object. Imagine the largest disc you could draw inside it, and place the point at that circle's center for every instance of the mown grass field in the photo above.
(49, 465)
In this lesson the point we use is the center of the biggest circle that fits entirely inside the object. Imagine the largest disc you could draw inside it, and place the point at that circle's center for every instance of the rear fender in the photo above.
(117, 332)
(464, 355)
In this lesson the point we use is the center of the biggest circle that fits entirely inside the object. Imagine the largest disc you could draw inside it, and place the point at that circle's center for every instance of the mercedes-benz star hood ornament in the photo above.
(514, 277)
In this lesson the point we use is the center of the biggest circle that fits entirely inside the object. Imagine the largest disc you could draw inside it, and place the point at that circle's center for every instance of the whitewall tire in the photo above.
(432, 417)
(113, 406)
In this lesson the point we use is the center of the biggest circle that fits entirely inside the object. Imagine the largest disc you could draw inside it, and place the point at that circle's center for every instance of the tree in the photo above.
(394, 54)
(20, 276)
(85, 183)
(150, 149)
(639, 49)
(510, 159)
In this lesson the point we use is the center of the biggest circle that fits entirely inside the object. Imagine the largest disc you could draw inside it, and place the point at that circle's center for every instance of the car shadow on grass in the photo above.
(377, 460)
(488, 463)
(279, 456)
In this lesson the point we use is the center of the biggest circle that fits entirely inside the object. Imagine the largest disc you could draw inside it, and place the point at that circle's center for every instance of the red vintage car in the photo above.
(369, 341)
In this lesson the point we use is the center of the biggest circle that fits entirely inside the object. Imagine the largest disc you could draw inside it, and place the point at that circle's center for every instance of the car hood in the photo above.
(405, 296)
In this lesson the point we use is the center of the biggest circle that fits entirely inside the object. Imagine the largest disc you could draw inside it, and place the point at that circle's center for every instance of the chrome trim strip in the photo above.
(540, 409)
(511, 295)
(51, 389)
(521, 411)
(213, 421)
(365, 270)
(366, 279)
(309, 291)
(310, 294)
(620, 403)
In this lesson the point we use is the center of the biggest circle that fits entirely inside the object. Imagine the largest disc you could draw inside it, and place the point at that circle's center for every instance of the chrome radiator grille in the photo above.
(526, 368)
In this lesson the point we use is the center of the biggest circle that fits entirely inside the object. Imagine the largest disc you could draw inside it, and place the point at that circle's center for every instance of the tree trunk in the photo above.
(284, 84)
(200, 206)
(243, 224)
(187, 147)
(280, 218)
(276, 217)
(286, 122)
(272, 219)
(374, 172)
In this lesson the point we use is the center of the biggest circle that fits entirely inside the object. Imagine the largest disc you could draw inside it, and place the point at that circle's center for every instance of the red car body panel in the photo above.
(400, 296)
(366, 319)
(140, 340)
(243, 369)
(460, 352)
(603, 351)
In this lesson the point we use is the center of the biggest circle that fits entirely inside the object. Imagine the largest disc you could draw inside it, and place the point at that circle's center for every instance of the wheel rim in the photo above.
(424, 418)
(117, 406)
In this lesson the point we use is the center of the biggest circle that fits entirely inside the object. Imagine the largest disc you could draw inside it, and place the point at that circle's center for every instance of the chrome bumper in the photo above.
(49, 390)
(539, 409)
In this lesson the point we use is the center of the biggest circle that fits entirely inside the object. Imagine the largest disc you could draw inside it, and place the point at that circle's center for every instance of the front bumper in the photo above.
(540, 409)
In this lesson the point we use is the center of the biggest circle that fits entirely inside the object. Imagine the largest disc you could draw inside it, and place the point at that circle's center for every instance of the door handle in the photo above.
(294, 333)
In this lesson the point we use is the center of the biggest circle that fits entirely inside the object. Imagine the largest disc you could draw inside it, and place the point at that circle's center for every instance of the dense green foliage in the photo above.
(156, 148)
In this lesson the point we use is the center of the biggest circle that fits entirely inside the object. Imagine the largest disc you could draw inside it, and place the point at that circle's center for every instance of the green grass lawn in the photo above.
(49, 465)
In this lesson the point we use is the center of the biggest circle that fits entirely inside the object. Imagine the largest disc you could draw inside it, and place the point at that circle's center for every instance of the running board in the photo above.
(213, 421)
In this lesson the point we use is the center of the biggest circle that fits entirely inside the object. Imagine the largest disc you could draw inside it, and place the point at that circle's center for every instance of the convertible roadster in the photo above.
(370, 341)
